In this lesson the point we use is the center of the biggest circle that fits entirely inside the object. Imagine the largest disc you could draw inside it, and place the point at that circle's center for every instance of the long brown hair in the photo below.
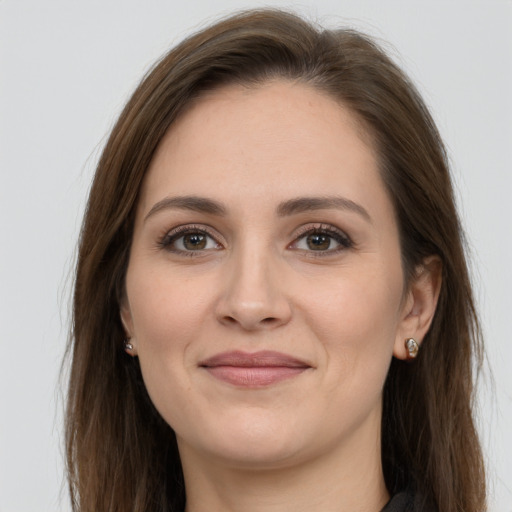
(121, 455)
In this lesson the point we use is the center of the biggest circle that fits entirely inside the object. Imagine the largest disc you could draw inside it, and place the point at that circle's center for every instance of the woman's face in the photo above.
(264, 292)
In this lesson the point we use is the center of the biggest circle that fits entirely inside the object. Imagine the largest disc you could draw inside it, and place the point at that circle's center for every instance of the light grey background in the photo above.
(66, 68)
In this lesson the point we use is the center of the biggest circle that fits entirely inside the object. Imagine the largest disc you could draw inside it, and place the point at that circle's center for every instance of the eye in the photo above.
(188, 239)
(322, 239)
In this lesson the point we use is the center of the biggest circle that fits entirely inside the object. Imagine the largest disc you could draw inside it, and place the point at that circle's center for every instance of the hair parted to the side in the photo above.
(121, 455)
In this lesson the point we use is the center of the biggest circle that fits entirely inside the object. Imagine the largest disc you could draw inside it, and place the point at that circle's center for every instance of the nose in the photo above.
(253, 295)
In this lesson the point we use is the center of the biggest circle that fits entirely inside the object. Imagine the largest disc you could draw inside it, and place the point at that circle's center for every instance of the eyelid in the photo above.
(312, 227)
(339, 236)
(171, 235)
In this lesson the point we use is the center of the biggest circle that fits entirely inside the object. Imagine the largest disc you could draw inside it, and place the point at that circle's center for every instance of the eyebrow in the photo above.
(192, 203)
(285, 209)
(307, 204)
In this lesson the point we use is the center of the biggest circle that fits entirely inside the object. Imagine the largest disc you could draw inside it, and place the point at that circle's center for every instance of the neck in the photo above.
(348, 478)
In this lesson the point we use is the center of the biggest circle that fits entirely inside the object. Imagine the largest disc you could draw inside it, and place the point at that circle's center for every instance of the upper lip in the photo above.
(263, 358)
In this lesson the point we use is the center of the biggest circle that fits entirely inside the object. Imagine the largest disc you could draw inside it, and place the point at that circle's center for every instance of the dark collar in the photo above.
(407, 501)
(401, 502)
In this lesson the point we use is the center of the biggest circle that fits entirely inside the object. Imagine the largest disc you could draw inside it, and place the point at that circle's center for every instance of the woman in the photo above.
(272, 307)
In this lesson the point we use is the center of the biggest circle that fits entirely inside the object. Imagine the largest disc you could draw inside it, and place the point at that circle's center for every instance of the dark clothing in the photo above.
(407, 502)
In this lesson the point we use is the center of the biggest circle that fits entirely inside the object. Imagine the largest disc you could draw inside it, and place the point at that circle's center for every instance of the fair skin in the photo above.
(263, 225)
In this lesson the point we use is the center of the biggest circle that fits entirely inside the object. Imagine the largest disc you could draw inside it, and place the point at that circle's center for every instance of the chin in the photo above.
(251, 443)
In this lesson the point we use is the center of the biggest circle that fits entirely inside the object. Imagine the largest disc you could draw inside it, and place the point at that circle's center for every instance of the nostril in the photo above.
(252, 315)
(250, 323)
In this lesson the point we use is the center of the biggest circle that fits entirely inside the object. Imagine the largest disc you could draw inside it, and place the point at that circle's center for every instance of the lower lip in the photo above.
(254, 376)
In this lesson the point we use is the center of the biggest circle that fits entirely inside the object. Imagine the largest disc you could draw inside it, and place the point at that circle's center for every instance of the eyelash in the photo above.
(171, 237)
(332, 232)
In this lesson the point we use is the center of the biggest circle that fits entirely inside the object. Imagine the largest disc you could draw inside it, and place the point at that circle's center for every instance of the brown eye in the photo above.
(194, 241)
(189, 240)
(322, 239)
(319, 242)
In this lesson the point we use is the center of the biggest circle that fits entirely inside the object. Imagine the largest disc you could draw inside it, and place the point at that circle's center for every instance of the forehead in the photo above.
(276, 139)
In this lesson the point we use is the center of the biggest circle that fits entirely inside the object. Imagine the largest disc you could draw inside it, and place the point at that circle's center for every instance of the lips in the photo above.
(256, 369)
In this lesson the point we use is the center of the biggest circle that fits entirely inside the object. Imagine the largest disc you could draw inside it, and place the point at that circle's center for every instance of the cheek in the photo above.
(166, 311)
(167, 318)
(356, 316)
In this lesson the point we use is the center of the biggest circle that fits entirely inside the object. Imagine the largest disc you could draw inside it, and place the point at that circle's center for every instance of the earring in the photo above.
(412, 348)
(128, 345)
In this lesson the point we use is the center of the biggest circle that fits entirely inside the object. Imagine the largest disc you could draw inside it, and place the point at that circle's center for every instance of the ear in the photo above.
(419, 305)
(127, 321)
